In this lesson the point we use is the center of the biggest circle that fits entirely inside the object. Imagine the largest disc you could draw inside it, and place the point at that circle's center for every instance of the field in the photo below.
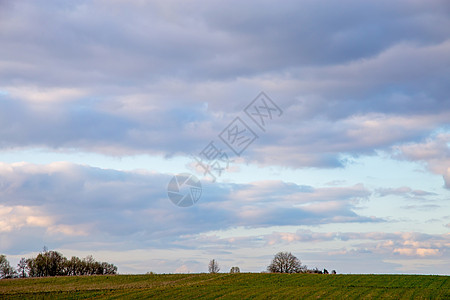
(229, 286)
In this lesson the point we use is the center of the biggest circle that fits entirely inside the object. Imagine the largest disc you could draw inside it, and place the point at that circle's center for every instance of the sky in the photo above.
(103, 102)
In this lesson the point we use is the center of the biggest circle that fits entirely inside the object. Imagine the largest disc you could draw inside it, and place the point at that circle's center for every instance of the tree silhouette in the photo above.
(22, 267)
(213, 266)
(285, 262)
(53, 263)
(6, 271)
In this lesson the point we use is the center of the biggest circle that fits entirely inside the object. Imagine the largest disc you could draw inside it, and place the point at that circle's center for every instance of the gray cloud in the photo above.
(201, 40)
(130, 77)
(71, 203)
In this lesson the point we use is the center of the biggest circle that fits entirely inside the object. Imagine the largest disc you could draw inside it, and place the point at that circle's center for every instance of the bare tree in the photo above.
(22, 267)
(285, 262)
(213, 266)
(235, 270)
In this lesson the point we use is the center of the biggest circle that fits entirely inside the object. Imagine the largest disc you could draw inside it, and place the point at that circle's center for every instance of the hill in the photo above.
(229, 286)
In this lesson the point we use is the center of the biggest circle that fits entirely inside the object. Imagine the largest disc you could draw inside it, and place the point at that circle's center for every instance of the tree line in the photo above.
(283, 262)
(53, 263)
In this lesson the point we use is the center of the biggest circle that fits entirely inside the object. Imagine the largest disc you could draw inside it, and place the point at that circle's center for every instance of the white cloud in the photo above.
(417, 252)
(45, 95)
(13, 218)
(434, 151)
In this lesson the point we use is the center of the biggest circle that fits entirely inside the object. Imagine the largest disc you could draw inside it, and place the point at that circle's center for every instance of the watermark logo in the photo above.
(184, 189)
(262, 110)
(213, 160)
(238, 136)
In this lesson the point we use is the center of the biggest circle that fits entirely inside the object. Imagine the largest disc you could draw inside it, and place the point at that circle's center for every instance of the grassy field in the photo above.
(229, 286)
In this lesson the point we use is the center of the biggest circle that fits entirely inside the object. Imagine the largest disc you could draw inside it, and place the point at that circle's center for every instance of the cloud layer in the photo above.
(175, 75)
(119, 78)
(68, 202)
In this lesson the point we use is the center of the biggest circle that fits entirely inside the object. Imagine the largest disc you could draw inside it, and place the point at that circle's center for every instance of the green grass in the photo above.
(229, 286)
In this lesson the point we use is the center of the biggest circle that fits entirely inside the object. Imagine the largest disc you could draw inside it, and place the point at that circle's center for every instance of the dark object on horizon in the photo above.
(53, 263)
(285, 262)
(22, 267)
(6, 271)
(213, 266)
